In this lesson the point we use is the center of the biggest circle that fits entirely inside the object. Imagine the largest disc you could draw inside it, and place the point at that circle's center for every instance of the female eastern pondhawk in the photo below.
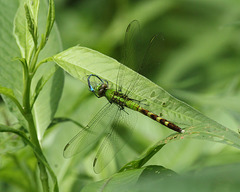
(115, 112)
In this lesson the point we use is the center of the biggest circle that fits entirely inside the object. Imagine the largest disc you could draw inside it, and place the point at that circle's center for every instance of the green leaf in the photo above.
(118, 182)
(50, 18)
(130, 180)
(80, 61)
(32, 28)
(22, 28)
(34, 8)
(9, 93)
(215, 178)
(41, 83)
(155, 172)
(224, 136)
(10, 78)
(47, 101)
(58, 120)
(10, 70)
(154, 178)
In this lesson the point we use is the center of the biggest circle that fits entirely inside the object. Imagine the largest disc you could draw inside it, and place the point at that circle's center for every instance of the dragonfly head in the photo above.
(97, 85)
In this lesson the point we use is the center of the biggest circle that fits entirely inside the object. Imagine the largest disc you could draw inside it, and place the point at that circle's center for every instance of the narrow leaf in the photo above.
(9, 93)
(58, 120)
(34, 7)
(220, 135)
(31, 24)
(47, 99)
(50, 18)
(41, 82)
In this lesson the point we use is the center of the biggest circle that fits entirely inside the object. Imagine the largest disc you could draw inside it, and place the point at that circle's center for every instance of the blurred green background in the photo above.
(198, 62)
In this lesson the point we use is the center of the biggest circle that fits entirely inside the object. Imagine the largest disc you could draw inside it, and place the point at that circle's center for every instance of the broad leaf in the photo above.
(131, 180)
(118, 182)
(155, 178)
(225, 136)
(10, 70)
(80, 61)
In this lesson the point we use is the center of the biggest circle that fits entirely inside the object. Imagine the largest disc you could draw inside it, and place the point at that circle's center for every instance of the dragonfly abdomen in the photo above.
(124, 101)
(160, 120)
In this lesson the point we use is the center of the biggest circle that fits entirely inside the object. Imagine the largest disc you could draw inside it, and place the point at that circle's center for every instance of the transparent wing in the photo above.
(92, 133)
(112, 143)
(136, 58)
(151, 52)
(129, 56)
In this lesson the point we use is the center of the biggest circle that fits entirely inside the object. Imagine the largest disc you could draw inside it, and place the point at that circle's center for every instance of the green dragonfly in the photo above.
(118, 110)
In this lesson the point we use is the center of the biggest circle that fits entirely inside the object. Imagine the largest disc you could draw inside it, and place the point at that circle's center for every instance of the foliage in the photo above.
(197, 62)
(21, 74)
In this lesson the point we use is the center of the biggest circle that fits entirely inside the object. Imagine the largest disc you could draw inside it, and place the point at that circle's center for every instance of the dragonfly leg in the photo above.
(124, 110)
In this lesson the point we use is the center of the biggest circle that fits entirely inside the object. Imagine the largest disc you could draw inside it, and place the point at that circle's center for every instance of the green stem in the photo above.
(34, 61)
(26, 94)
(35, 58)
(32, 129)
(29, 71)
(43, 176)
(42, 168)
(40, 63)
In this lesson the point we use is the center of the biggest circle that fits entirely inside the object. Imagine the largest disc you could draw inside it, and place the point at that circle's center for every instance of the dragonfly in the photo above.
(118, 110)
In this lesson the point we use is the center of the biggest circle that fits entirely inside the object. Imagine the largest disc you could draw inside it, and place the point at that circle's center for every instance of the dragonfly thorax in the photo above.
(120, 99)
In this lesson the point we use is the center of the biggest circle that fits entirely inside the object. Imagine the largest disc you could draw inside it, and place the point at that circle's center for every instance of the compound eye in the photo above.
(101, 92)
(104, 86)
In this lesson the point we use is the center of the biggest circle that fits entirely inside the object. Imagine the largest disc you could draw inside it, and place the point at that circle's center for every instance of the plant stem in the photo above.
(35, 58)
(43, 176)
(32, 129)
(43, 172)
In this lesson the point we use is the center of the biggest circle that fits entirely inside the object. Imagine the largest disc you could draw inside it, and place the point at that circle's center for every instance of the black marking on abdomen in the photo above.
(161, 120)
(153, 116)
